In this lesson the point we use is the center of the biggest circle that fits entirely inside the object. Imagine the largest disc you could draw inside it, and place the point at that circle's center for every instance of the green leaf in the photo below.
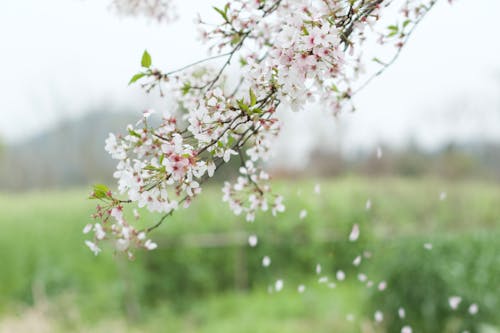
(185, 88)
(377, 60)
(222, 13)
(243, 106)
(393, 28)
(230, 141)
(405, 23)
(257, 111)
(253, 98)
(133, 133)
(146, 59)
(235, 39)
(100, 191)
(136, 77)
(334, 88)
(151, 168)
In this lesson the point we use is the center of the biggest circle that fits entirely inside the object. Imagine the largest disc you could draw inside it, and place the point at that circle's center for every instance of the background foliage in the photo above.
(205, 276)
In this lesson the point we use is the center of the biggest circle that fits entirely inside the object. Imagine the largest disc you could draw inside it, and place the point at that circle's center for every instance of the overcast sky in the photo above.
(60, 57)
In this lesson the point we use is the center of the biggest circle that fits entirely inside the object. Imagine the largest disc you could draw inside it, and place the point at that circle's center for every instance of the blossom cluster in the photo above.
(111, 225)
(290, 53)
(160, 10)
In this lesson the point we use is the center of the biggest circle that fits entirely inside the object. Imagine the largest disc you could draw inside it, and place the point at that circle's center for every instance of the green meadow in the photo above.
(206, 278)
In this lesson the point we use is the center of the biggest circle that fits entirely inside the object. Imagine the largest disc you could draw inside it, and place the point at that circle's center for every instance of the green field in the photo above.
(205, 277)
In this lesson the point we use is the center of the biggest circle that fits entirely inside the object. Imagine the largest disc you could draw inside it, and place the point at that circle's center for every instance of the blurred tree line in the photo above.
(473, 160)
(72, 154)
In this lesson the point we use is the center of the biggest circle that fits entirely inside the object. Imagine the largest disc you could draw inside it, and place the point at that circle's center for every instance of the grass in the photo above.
(190, 289)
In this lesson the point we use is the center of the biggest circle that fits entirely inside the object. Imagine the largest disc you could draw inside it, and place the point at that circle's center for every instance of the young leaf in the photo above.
(133, 133)
(243, 106)
(136, 77)
(222, 13)
(243, 62)
(378, 61)
(253, 98)
(146, 59)
(235, 39)
(100, 191)
(185, 88)
(393, 30)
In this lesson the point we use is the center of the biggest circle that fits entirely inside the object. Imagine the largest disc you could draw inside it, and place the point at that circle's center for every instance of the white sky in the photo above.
(60, 57)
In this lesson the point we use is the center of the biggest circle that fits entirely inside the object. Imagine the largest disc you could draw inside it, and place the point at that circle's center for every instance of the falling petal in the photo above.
(303, 214)
(278, 285)
(454, 302)
(379, 316)
(318, 269)
(317, 189)
(357, 261)
(379, 152)
(382, 286)
(340, 275)
(266, 261)
(368, 204)
(253, 240)
(354, 235)
(442, 196)
(401, 313)
(428, 246)
(473, 309)
(406, 329)
(323, 279)
(301, 288)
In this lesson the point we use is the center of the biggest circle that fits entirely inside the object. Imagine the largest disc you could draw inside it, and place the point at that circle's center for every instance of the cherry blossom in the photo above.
(161, 10)
(291, 54)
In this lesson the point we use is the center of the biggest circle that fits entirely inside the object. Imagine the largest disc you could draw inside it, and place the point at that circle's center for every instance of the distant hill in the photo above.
(72, 153)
